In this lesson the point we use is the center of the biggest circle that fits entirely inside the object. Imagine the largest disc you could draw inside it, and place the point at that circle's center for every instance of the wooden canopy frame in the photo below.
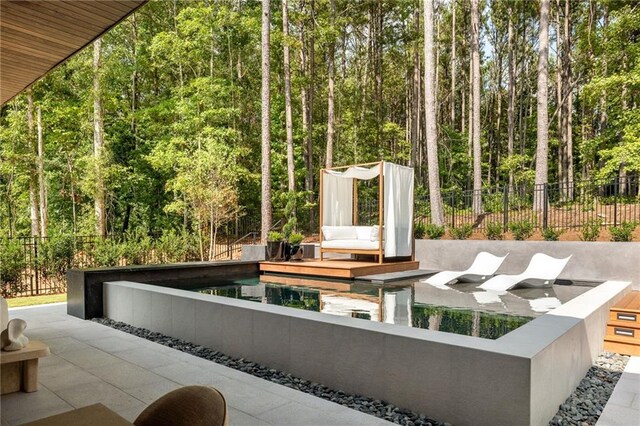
(376, 252)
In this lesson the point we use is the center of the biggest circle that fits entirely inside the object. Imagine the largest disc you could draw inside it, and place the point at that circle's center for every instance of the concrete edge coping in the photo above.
(518, 343)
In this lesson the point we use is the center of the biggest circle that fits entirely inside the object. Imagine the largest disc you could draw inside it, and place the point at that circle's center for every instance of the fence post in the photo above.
(615, 202)
(453, 209)
(505, 211)
(545, 208)
(35, 266)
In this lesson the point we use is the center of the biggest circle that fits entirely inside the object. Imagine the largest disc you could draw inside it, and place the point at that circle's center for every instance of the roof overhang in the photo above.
(38, 35)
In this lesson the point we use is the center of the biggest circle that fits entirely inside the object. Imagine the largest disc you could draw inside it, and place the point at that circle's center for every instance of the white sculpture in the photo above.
(4, 314)
(12, 338)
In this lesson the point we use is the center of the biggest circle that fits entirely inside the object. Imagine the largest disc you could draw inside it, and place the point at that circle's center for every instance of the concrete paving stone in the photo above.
(149, 392)
(247, 398)
(64, 344)
(125, 375)
(58, 377)
(113, 344)
(614, 415)
(90, 358)
(297, 414)
(627, 383)
(145, 357)
(184, 373)
(20, 407)
(44, 333)
(240, 418)
(100, 392)
(622, 398)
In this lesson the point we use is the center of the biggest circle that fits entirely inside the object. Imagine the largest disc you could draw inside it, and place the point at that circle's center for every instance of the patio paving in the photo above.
(623, 407)
(92, 363)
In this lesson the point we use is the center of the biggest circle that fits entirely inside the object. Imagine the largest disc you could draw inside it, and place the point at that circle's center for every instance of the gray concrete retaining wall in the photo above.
(591, 261)
(519, 379)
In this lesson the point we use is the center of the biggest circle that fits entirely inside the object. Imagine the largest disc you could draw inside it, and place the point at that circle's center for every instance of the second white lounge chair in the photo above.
(485, 265)
(541, 272)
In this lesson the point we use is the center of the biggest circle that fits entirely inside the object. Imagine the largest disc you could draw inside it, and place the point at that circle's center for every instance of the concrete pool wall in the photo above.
(518, 379)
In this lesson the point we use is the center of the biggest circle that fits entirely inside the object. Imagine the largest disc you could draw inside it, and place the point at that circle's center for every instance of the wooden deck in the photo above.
(336, 268)
(623, 327)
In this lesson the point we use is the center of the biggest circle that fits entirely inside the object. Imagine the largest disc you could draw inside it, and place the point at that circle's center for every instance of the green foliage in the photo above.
(493, 231)
(521, 229)
(11, 266)
(461, 232)
(107, 253)
(275, 236)
(419, 230)
(137, 248)
(552, 234)
(174, 247)
(591, 230)
(56, 255)
(434, 232)
(624, 232)
(295, 238)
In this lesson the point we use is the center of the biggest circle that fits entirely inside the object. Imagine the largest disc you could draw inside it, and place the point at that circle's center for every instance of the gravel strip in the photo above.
(371, 406)
(586, 403)
(582, 408)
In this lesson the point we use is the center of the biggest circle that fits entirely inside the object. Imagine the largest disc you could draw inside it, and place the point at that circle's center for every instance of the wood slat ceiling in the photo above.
(37, 35)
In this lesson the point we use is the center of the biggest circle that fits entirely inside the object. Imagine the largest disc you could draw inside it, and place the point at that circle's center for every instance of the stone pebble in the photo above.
(582, 408)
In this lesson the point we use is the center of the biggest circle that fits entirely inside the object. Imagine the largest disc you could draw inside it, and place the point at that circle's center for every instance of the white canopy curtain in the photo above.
(338, 193)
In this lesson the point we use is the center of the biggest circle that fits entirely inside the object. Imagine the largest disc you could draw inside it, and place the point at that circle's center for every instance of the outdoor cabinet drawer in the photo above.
(622, 331)
(632, 318)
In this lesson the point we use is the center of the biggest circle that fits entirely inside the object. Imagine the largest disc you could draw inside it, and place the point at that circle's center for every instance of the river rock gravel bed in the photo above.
(582, 408)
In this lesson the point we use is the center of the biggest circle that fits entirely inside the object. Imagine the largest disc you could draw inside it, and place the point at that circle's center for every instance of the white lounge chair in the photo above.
(541, 272)
(485, 265)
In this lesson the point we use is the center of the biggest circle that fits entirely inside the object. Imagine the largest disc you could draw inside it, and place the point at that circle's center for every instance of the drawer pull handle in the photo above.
(626, 317)
(623, 332)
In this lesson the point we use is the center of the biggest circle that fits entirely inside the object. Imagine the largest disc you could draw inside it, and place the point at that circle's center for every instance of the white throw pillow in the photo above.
(375, 233)
(363, 232)
(339, 233)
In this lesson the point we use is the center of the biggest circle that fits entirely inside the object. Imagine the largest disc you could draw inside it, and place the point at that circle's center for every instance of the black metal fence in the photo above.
(558, 206)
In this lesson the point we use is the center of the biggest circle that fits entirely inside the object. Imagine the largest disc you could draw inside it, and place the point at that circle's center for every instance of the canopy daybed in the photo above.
(392, 236)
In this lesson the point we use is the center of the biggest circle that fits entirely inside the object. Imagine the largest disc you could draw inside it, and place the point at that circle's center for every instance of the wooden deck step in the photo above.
(623, 327)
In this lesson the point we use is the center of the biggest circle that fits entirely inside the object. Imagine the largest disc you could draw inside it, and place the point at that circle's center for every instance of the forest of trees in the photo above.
(162, 123)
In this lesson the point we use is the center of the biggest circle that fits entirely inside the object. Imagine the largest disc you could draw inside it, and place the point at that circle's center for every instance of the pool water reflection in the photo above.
(460, 308)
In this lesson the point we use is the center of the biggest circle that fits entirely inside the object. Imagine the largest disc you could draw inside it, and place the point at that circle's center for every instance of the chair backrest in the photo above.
(545, 267)
(486, 263)
(189, 405)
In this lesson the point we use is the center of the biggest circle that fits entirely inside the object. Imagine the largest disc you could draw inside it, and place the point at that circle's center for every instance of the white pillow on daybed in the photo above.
(330, 233)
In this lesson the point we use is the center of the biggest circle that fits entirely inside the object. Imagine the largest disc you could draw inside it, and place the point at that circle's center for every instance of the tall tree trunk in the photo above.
(435, 199)
(41, 180)
(453, 64)
(568, 89)
(266, 121)
(475, 57)
(331, 119)
(560, 110)
(542, 149)
(98, 141)
(415, 98)
(72, 193)
(33, 194)
(512, 95)
(287, 98)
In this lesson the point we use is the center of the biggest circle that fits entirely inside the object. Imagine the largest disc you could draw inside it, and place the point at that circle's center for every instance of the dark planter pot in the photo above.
(277, 251)
(296, 252)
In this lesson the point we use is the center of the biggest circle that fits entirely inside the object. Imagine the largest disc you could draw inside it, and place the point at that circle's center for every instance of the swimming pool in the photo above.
(461, 309)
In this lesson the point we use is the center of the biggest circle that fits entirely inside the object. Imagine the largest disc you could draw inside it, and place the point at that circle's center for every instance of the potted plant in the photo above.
(295, 250)
(276, 246)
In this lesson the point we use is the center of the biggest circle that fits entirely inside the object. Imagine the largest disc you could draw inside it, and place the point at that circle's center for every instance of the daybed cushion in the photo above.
(330, 233)
(351, 244)
(363, 232)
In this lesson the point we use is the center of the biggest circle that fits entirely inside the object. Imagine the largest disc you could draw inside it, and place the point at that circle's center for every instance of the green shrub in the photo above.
(12, 264)
(493, 231)
(275, 236)
(551, 234)
(461, 232)
(419, 230)
(434, 232)
(55, 256)
(591, 230)
(624, 232)
(521, 229)
(174, 247)
(107, 252)
(138, 247)
(295, 238)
